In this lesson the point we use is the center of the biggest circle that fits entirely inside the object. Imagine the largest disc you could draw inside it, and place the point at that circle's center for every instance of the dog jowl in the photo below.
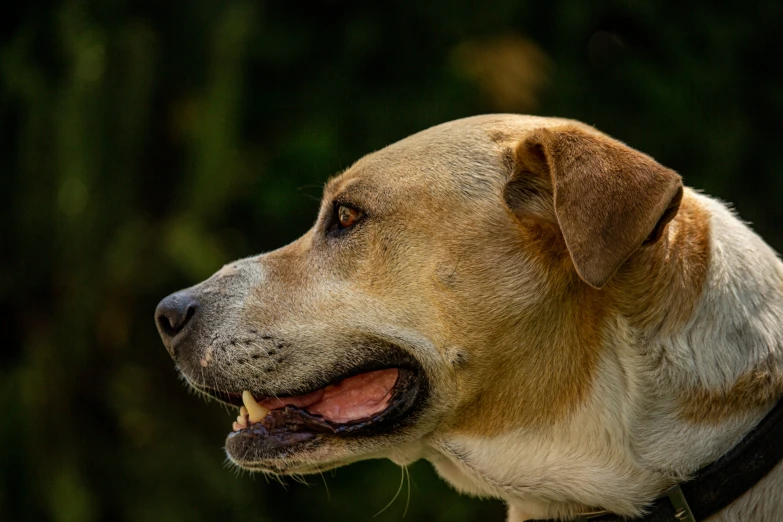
(544, 313)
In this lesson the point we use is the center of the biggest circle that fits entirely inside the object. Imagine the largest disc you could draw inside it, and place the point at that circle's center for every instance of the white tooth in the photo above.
(242, 421)
(236, 426)
(242, 411)
(255, 410)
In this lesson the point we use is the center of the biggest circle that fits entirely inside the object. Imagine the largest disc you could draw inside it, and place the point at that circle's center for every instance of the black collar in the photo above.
(719, 484)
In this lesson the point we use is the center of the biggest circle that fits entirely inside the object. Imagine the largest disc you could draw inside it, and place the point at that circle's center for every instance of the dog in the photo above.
(544, 313)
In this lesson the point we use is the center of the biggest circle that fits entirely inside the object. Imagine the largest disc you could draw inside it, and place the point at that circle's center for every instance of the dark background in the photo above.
(144, 144)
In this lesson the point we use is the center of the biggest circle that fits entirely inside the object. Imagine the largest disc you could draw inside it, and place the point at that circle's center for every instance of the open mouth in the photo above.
(364, 403)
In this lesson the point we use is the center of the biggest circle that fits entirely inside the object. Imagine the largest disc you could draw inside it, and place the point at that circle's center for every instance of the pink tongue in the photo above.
(354, 398)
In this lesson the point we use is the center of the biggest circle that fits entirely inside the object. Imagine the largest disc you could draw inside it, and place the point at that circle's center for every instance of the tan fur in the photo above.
(591, 333)
(556, 339)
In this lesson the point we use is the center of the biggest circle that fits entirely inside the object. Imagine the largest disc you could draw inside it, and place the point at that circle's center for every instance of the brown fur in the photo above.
(570, 325)
(540, 391)
(552, 169)
(660, 286)
(755, 390)
(608, 198)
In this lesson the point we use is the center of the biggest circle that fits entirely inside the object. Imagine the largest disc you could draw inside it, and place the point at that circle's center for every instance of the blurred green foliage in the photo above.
(144, 144)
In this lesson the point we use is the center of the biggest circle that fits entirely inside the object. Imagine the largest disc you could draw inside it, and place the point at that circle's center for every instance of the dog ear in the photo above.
(606, 198)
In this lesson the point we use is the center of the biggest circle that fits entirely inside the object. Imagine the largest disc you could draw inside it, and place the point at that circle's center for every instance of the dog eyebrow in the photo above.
(355, 190)
(333, 184)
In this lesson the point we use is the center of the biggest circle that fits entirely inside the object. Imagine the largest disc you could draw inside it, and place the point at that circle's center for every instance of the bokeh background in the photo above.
(144, 144)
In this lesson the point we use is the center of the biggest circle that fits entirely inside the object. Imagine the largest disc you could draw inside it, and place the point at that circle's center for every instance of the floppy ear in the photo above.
(608, 199)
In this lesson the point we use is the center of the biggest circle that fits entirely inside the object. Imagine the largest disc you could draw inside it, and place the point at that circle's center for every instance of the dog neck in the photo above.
(692, 361)
(714, 376)
(717, 486)
(710, 375)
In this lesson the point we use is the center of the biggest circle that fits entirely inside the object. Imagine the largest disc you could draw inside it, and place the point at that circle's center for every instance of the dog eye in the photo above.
(347, 216)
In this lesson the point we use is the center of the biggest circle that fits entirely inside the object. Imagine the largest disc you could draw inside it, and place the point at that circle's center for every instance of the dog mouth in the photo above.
(366, 402)
(340, 406)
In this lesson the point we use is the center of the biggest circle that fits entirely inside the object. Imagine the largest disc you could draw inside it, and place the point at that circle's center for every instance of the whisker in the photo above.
(399, 489)
(408, 501)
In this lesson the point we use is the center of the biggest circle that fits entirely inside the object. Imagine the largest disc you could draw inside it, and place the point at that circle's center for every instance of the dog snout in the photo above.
(173, 316)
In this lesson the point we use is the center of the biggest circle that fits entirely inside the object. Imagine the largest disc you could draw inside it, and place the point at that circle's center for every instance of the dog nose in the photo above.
(174, 313)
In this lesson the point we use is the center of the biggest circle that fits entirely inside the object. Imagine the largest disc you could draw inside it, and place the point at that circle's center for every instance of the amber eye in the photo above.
(348, 216)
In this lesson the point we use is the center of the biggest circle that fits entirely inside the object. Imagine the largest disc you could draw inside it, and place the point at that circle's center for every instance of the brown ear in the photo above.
(609, 199)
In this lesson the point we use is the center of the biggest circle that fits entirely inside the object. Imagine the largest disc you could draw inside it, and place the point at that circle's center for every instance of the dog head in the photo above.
(455, 284)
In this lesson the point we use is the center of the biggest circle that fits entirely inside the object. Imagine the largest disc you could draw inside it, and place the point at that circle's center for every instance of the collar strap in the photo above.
(719, 484)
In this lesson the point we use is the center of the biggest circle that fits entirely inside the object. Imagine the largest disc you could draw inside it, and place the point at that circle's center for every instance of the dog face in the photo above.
(456, 286)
